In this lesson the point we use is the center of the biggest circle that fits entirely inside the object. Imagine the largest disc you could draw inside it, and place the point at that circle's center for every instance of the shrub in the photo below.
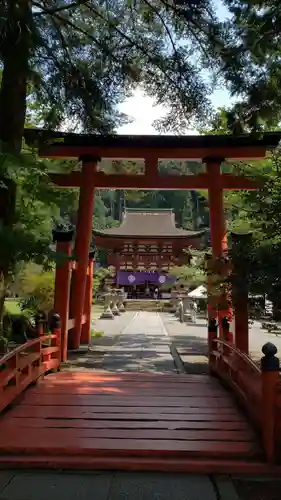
(99, 277)
(38, 292)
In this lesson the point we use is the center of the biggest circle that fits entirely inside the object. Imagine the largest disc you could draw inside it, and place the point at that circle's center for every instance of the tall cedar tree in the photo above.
(251, 63)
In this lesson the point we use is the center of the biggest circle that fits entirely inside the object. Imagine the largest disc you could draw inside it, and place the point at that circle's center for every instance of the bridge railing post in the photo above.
(40, 324)
(227, 334)
(212, 334)
(270, 367)
(56, 330)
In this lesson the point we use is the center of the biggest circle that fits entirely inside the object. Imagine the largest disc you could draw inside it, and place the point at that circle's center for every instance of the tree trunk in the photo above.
(15, 47)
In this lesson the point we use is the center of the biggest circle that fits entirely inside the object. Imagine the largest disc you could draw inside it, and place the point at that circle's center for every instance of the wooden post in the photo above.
(240, 248)
(270, 367)
(86, 328)
(40, 324)
(217, 220)
(62, 283)
(56, 330)
(212, 334)
(82, 247)
(227, 334)
(117, 268)
(217, 224)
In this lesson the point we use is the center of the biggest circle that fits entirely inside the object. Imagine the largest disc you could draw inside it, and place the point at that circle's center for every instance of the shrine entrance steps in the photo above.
(148, 305)
(129, 421)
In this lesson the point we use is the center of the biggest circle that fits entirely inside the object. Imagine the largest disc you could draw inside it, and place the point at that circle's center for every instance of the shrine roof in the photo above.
(53, 138)
(148, 223)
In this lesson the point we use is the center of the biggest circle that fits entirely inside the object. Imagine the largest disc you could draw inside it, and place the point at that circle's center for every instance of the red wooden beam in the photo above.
(121, 153)
(165, 182)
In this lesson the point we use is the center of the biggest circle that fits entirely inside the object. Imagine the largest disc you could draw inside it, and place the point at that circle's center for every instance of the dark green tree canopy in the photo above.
(250, 62)
(79, 59)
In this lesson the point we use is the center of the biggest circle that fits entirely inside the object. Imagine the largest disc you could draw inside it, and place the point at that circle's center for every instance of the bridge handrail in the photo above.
(22, 347)
(27, 362)
(257, 388)
(241, 373)
(241, 354)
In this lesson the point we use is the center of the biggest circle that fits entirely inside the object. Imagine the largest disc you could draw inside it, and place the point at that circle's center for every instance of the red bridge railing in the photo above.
(258, 388)
(29, 361)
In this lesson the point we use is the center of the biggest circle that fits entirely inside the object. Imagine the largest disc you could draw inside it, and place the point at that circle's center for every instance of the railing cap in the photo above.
(212, 325)
(40, 317)
(225, 322)
(92, 254)
(269, 362)
(55, 321)
(63, 235)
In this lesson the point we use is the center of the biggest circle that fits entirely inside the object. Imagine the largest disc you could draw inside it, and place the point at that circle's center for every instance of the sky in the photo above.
(143, 111)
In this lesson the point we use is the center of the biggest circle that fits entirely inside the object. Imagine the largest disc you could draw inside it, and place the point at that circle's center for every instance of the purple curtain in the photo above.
(139, 277)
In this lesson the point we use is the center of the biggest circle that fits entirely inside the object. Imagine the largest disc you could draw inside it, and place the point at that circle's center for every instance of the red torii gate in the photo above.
(89, 149)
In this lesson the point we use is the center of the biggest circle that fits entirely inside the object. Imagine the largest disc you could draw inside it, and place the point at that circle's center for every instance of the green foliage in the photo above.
(192, 275)
(12, 307)
(99, 276)
(38, 290)
(258, 212)
(250, 62)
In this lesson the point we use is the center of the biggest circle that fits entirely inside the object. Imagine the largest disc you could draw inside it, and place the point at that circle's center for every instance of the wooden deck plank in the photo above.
(80, 412)
(38, 442)
(109, 400)
(174, 391)
(119, 424)
(94, 375)
(131, 377)
(213, 413)
(143, 434)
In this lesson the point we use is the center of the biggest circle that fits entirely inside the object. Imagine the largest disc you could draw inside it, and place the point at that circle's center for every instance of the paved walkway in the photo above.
(189, 341)
(142, 346)
(131, 342)
(112, 486)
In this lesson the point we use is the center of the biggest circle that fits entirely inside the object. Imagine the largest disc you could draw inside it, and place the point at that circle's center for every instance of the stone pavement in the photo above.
(190, 342)
(142, 346)
(131, 342)
(191, 339)
(258, 337)
(112, 486)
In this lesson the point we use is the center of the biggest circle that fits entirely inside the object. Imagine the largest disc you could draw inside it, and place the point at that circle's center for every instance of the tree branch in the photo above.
(133, 44)
(191, 21)
(54, 10)
(80, 30)
(163, 22)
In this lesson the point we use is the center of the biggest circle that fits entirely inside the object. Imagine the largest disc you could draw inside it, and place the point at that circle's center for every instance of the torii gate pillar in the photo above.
(217, 225)
(82, 247)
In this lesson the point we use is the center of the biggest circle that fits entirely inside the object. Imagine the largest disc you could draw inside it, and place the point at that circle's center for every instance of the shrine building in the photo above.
(145, 247)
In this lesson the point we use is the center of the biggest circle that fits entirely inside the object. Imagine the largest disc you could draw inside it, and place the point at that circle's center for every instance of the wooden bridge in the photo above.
(228, 421)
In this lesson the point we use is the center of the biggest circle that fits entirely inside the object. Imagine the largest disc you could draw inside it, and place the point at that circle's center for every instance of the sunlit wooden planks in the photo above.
(127, 415)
